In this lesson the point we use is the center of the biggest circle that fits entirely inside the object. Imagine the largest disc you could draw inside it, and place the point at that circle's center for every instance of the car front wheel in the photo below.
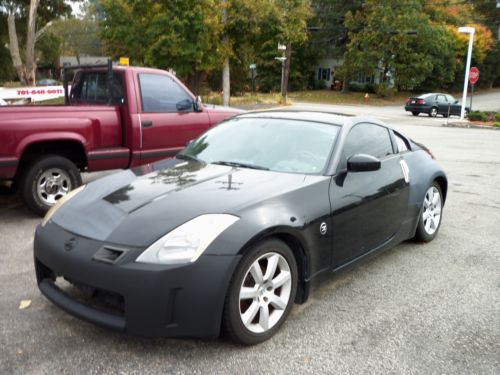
(433, 112)
(415, 113)
(431, 213)
(261, 294)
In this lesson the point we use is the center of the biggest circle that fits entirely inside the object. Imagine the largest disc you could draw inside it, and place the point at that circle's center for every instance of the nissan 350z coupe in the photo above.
(238, 227)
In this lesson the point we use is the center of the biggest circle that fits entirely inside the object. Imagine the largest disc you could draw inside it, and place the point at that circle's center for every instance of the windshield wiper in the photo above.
(242, 165)
(187, 157)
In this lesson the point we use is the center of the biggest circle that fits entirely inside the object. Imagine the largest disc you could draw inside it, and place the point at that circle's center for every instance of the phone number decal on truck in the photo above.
(40, 92)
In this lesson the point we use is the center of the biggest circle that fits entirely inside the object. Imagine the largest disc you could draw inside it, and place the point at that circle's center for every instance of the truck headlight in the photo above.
(188, 241)
(59, 203)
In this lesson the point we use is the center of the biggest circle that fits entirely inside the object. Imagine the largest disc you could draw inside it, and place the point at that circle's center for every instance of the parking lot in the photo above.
(418, 308)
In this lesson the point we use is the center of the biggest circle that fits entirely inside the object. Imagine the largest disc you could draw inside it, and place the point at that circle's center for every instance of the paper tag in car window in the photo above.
(406, 170)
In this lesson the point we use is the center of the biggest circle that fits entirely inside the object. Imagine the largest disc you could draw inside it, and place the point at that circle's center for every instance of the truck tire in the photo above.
(46, 180)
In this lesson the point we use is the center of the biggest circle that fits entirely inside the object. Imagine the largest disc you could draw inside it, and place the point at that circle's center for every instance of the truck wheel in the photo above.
(46, 180)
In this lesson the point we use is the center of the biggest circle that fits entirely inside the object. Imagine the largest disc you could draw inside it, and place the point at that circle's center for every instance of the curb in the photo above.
(469, 125)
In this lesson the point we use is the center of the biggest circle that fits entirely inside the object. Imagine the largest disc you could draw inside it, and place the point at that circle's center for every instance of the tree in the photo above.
(182, 35)
(33, 12)
(328, 24)
(79, 36)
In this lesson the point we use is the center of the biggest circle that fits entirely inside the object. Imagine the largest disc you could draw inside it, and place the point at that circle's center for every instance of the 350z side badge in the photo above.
(323, 228)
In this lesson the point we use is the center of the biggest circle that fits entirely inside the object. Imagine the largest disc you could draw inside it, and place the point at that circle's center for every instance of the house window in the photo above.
(324, 74)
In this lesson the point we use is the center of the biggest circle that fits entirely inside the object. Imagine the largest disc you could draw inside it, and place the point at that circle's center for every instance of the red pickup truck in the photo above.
(118, 117)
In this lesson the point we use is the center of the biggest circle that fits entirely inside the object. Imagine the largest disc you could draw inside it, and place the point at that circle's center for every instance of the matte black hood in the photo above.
(136, 207)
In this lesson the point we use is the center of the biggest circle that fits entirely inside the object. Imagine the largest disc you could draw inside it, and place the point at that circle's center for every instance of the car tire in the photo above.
(433, 112)
(415, 113)
(430, 214)
(256, 306)
(46, 180)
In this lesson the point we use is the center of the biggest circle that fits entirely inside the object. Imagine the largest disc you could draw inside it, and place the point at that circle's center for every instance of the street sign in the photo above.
(253, 66)
(473, 75)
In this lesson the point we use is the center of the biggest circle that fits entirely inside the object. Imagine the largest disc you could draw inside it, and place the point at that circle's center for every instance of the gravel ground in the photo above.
(418, 308)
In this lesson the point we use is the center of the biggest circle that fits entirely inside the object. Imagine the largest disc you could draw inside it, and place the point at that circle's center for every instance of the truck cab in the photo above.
(113, 118)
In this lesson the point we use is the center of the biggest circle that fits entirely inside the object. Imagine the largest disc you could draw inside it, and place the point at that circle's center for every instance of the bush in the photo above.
(496, 117)
(356, 87)
(477, 116)
(385, 91)
(317, 84)
(496, 124)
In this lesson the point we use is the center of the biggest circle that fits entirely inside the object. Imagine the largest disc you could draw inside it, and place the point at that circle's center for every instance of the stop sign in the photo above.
(473, 75)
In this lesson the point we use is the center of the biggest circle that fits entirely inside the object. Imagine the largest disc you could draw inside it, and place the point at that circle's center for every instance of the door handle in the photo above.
(146, 124)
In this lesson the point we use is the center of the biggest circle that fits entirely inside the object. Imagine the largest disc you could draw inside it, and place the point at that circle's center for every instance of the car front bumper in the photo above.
(135, 298)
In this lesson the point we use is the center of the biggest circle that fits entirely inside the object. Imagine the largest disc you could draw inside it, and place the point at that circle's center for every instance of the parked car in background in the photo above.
(434, 104)
(3, 102)
(113, 118)
(237, 227)
(48, 82)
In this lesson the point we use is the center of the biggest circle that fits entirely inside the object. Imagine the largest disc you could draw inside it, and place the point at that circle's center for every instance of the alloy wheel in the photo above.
(265, 292)
(431, 214)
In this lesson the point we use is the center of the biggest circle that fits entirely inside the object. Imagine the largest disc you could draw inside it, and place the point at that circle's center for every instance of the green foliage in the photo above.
(48, 51)
(477, 116)
(362, 87)
(379, 41)
(330, 34)
(385, 91)
(490, 68)
(79, 36)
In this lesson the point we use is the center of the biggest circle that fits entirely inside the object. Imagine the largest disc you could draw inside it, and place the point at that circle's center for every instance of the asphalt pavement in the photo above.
(416, 309)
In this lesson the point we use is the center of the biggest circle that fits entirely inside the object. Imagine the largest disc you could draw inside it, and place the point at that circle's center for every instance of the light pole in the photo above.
(470, 31)
(282, 48)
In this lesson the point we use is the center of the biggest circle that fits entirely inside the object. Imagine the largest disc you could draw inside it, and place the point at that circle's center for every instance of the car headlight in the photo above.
(188, 241)
(59, 203)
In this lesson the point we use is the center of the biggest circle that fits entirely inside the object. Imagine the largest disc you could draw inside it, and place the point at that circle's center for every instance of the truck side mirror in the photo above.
(197, 105)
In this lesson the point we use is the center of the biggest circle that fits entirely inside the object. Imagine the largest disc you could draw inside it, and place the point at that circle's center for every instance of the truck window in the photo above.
(91, 87)
(160, 93)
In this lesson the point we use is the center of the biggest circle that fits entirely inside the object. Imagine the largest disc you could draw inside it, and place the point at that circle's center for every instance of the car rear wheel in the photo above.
(415, 113)
(431, 213)
(261, 293)
(433, 112)
(46, 180)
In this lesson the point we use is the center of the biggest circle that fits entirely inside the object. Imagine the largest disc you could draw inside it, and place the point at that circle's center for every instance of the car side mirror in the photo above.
(363, 163)
(183, 105)
(197, 105)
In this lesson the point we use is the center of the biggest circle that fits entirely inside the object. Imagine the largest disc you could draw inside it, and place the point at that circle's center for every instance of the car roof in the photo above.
(332, 118)
(326, 117)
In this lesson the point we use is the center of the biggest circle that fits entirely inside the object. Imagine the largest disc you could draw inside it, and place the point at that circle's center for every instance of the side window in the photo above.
(160, 93)
(368, 139)
(91, 87)
(401, 143)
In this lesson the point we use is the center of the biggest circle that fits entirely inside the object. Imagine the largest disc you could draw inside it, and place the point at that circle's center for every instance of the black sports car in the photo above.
(238, 227)
(434, 104)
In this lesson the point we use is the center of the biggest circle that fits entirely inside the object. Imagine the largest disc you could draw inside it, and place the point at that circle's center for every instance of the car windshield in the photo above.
(281, 145)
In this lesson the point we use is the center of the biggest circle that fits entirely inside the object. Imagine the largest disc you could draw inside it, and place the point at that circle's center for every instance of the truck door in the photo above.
(168, 119)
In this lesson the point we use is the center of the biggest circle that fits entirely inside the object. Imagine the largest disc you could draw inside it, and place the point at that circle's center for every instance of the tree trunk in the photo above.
(226, 82)
(14, 48)
(30, 70)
